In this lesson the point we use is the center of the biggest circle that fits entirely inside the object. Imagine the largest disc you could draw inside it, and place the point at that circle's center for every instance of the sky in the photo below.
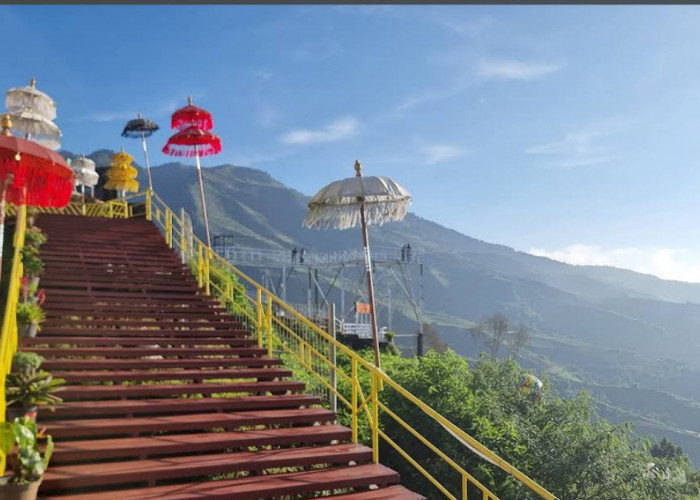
(566, 131)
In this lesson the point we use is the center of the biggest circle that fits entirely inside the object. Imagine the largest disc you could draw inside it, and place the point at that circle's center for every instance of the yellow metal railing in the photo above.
(350, 384)
(9, 335)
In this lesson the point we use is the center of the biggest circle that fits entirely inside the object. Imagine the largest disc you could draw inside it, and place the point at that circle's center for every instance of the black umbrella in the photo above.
(140, 128)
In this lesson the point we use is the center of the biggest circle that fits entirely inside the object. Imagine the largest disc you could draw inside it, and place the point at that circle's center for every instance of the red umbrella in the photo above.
(30, 174)
(194, 139)
(191, 115)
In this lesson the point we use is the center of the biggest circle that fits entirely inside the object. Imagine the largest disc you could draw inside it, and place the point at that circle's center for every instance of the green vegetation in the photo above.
(27, 462)
(33, 265)
(27, 385)
(29, 313)
(561, 443)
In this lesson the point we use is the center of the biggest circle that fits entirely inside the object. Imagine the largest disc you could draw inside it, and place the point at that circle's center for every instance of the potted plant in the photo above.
(34, 237)
(20, 441)
(28, 387)
(32, 214)
(33, 265)
(29, 317)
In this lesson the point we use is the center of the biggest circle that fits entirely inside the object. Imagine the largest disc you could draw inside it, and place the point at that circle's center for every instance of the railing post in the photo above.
(353, 383)
(169, 227)
(200, 264)
(334, 367)
(269, 325)
(375, 417)
(259, 309)
(149, 202)
(207, 275)
(111, 210)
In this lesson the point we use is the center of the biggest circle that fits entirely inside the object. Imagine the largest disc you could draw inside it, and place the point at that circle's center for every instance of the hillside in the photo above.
(631, 339)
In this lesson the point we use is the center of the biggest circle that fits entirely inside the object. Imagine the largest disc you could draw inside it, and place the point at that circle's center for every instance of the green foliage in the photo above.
(28, 312)
(26, 362)
(27, 385)
(35, 237)
(27, 462)
(33, 265)
(560, 443)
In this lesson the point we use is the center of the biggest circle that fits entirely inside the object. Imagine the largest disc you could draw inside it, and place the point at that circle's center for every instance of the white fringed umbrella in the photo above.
(360, 200)
(85, 174)
(32, 113)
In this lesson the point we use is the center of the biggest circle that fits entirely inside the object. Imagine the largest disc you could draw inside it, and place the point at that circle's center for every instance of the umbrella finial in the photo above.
(358, 168)
(6, 125)
(140, 115)
(32, 82)
(189, 100)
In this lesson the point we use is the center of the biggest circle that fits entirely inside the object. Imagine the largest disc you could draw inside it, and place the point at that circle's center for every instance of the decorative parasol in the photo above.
(360, 200)
(32, 112)
(194, 139)
(121, 174)
(140, 128)
(85, 174)
(31, 174)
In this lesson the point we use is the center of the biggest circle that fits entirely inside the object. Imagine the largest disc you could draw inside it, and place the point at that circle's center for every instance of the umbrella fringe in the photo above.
(348, 215)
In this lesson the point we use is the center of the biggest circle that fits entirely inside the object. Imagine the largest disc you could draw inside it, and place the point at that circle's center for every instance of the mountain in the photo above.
(632, 340)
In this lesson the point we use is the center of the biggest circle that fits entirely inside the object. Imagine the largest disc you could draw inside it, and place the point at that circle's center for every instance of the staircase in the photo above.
(168, 396)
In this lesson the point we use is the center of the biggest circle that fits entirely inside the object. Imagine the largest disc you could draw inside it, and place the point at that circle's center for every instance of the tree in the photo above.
(496, 329)
(519, 339)
(433, 340)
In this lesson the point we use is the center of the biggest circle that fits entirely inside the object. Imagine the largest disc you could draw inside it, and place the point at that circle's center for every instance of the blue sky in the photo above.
(569, 131)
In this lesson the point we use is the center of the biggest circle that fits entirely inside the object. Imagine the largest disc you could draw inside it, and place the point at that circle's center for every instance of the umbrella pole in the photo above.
(148, 163)
(370, 287)
(3, 189)
(201, 196)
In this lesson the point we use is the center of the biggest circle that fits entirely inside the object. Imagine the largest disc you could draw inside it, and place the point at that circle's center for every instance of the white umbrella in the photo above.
(85, 174)
(29, 98)
(360, 200)
(32, 113)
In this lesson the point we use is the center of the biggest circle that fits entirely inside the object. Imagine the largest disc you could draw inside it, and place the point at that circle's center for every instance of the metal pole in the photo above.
(420, 346)
(333, 354)
(148, 163)
(201, 195)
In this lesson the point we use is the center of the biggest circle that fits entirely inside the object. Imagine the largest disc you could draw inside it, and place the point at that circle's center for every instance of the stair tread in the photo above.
(256, 486)
(194, 443)
(74, 476)
(390, 493)
(116, 375)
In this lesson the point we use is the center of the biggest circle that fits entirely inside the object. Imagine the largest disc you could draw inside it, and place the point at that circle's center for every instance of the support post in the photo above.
(201, 196)
(149, 203)
(261, 314)
(353, 398)
(269, 325)
(333, 356)
(375, 417)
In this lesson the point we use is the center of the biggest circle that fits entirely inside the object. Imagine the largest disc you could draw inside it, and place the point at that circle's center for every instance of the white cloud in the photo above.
(437, 153)
(667, 263)
(513, 70)
(268, 117)
(578, 149)
(338, 130)
(263, 74)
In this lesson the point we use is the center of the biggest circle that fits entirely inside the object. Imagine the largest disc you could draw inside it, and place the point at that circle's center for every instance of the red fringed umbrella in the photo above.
(30, 174)
(194, 139)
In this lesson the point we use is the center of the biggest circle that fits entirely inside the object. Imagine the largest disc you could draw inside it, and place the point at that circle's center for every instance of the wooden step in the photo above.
(104, 331)
(390, 493)
(130, 391)
(135, 352)
(213, 323)
(256, 487)
(80, 476)
(120, 376)
(97, 340)
(145, 364)
(99, 449)
(177, 405)
(197, 421)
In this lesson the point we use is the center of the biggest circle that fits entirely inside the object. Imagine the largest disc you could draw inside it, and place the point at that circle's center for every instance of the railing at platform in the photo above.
(331, 369)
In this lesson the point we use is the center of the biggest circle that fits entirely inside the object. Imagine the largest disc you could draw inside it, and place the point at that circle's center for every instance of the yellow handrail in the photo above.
(280, 328)
(9, 335)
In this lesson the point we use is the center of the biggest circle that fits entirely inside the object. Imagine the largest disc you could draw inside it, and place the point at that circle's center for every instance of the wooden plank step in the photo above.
(80, 476)
(255, 487)
(85, 332)
(204, 340)
(145, 364)
(112, 285)
(100, 449)
(391, 493)
(131, 391)
(133, 352)
(131, 296)
(224, 322)
(120, 376)
(103, 427)
(177, 405)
